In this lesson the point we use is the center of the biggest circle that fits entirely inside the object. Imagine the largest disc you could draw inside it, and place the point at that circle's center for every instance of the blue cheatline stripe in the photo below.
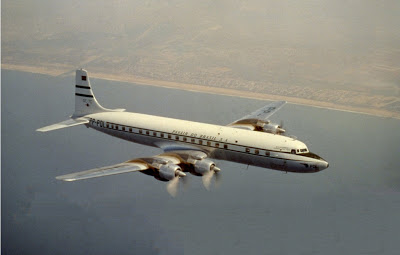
(82, 95)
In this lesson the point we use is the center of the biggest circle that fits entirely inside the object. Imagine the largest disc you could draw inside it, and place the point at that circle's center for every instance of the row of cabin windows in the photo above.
(257, 152)
(118, 127)
(180, 138)
(184, 139)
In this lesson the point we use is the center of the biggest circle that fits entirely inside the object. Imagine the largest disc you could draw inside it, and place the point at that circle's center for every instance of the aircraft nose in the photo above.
(325, 165)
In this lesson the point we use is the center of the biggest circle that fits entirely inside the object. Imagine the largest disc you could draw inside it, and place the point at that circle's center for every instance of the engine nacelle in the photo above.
(169, 171)
(203, 166)
(273, 128)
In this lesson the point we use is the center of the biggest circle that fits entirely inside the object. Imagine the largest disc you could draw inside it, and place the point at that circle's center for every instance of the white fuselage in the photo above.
(220, 142)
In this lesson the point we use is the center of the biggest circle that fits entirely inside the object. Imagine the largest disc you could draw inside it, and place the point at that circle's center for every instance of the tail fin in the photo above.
(85, 103)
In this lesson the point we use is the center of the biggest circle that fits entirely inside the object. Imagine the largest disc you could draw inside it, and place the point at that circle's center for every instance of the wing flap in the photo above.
(64, 124)
(105, 171)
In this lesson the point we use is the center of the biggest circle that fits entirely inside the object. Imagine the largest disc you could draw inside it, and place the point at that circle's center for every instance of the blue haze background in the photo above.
(353, 207)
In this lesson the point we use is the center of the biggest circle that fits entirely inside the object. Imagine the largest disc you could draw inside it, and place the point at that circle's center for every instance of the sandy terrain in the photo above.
(206, 89)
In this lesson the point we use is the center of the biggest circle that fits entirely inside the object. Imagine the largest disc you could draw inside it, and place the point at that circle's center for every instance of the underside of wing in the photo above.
(121, 168)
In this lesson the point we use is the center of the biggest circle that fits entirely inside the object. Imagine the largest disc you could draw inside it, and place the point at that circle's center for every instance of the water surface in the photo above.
(353, 207)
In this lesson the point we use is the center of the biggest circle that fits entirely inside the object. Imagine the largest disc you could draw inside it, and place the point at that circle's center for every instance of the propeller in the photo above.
(280, 129)
(172, 186)
(207, 177)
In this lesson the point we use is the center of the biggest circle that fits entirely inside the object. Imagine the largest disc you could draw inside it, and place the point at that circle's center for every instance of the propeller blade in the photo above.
(185, 182)
(207, 179)
(217, 179)
(172, 186)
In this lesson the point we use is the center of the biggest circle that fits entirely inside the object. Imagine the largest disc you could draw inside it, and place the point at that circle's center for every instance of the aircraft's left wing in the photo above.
(168, 166)
(126, 167)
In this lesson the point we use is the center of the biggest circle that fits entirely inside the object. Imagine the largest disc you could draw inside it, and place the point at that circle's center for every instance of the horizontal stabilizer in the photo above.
(104, 171)
(64, 124)
(118, 110)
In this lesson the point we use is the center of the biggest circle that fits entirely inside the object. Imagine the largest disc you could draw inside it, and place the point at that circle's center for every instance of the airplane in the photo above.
(188, 146)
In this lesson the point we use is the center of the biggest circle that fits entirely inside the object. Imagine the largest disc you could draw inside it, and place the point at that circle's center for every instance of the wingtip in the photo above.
(63, 178)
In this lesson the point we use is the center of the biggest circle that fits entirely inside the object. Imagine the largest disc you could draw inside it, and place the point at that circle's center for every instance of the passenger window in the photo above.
(217, 145)
(176, 137)
(293, 151)
(184, 139)
(192, 140)
(140, 131)
(147, 132)
(256, 152)
(267, 153)
(209, 144)
(247, 150)
(169, 136)
(225, 146)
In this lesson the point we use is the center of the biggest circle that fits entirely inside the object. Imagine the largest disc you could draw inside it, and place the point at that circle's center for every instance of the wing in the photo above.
(140, 164)
(126, 167)
(261, 114)
(168, 166)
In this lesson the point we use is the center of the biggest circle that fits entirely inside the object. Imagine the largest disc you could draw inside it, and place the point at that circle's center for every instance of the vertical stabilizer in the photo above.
(85, 101)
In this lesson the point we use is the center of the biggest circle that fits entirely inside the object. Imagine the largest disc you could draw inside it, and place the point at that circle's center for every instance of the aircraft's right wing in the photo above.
(261, 114)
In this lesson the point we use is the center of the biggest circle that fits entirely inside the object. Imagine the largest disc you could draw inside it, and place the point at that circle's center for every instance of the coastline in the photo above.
(205, 89)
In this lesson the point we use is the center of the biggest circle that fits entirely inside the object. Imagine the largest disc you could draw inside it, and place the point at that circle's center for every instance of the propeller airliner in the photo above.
(188, 147)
